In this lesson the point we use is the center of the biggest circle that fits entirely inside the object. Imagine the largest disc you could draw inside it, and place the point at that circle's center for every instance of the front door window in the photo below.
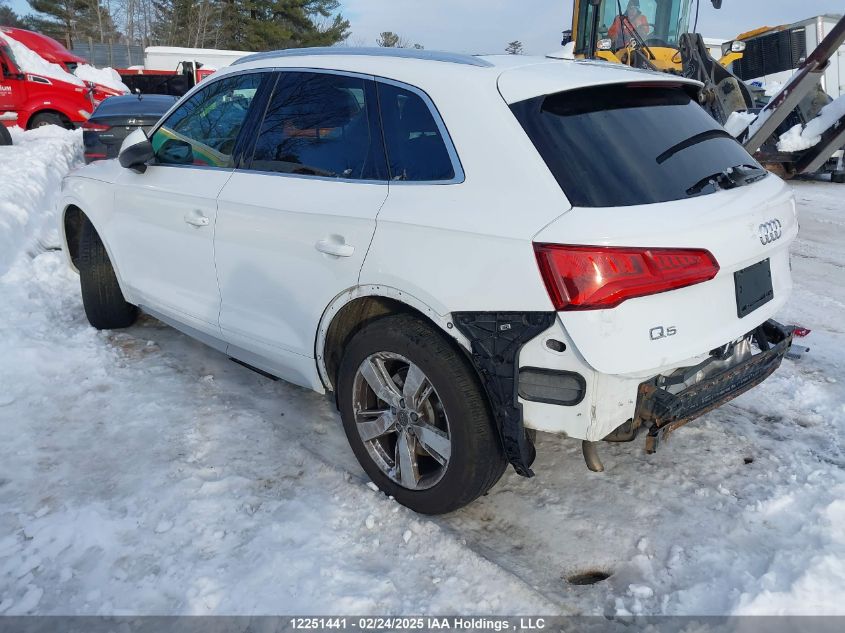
(204, 129)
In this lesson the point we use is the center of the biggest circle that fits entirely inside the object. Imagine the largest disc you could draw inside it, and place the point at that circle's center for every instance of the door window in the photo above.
(416, 148)
(7, 60)
(321, 124)
(204, 129)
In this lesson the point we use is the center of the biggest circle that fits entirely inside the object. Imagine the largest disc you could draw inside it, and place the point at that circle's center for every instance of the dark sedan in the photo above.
(116, 117)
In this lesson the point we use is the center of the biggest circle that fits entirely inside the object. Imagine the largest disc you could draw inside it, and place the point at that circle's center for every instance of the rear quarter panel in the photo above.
(467, 246)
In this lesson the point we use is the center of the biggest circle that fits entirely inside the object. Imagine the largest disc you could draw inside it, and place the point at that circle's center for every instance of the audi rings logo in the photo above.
(771, 231)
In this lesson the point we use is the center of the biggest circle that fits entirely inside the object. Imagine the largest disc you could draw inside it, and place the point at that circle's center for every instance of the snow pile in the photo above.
(31, 62)
(738, 122)
(758, 122)
(772, 88)
(800, 138)
(818, 584)
(31, 172)
(107, 77)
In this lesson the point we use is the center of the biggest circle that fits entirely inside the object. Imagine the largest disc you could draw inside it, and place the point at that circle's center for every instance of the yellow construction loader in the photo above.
(660, 35)
(656, 35)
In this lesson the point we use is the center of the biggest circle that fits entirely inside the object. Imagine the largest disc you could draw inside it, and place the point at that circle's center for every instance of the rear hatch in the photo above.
(705, 230)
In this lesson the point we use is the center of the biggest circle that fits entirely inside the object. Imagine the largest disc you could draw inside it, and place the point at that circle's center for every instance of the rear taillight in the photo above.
(599, 277)
(95, 127)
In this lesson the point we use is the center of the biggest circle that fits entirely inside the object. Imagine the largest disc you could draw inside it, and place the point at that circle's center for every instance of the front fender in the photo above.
(96, 200)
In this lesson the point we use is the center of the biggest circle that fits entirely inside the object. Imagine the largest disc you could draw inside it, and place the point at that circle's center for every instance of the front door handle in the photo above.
(335, 247)
(196, 219)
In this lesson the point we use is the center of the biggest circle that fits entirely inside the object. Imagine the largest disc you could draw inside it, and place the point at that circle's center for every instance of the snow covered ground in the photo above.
(143, 473)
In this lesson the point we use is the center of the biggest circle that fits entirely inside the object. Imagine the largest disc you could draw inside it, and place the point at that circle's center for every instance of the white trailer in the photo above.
(170, 58)
(771, 58)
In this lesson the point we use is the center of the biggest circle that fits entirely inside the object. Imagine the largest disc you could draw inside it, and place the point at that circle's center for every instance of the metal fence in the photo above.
(113, 55)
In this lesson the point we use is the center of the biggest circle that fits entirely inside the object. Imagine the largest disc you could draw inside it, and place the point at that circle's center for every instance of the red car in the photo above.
(29, 98)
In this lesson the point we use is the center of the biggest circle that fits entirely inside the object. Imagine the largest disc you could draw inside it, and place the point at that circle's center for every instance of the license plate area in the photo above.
(753, 287)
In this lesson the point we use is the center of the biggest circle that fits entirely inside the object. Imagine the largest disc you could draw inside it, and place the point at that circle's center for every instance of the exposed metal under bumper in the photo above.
(662, 412)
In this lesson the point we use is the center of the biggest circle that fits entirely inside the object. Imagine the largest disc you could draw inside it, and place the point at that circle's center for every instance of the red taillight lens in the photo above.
(599, 277)
(95, 127)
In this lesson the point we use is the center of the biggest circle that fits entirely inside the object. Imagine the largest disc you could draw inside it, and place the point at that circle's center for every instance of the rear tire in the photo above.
(102, 298)
(455, 404)
(47, 118)
(5, 137)
(837, 178)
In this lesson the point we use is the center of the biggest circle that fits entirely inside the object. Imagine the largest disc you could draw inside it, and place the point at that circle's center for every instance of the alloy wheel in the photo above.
(401, 420)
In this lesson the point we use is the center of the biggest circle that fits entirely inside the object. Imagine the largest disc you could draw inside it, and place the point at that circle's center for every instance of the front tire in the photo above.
(5, 137)
(48, 118)
(416, 416)
(102, 298)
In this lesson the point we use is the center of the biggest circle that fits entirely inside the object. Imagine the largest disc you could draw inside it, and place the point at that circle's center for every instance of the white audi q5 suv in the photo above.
(461, 249)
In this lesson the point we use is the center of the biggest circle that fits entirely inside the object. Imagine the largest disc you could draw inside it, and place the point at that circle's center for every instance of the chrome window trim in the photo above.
(457, 166)
(282, 174)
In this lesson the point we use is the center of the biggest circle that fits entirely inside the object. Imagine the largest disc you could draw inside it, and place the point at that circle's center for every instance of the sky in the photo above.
(486, 26)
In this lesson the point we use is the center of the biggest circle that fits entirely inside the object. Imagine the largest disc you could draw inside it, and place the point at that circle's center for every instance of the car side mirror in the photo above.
(136, 151)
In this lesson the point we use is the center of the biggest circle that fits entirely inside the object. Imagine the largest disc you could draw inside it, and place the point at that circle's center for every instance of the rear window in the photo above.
(622, 145)
(149, 104)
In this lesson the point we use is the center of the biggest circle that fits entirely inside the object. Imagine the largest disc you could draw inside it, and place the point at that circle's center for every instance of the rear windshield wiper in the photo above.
(729, 178)
(693, 140)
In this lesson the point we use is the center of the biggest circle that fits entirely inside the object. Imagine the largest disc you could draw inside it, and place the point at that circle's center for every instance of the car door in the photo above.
(295, 221)
(164, 220)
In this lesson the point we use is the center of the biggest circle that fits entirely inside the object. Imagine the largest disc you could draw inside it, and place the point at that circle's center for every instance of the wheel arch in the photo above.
(353, 309)
(73, 218)
(72, 221)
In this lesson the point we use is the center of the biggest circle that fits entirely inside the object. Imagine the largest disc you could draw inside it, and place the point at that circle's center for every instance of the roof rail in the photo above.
(403, 53)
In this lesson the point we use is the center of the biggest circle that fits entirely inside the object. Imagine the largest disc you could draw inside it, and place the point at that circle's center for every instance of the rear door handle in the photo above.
(196, 219)
(338, 248)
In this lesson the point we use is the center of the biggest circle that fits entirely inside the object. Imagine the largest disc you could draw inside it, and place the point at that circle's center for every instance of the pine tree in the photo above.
(70, 20)
(514, 48)
(7, 15)
(253, 25)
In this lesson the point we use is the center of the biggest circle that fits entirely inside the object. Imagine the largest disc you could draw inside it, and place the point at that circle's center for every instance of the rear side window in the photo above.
(622, 145)
(416, 149)
(320, 124)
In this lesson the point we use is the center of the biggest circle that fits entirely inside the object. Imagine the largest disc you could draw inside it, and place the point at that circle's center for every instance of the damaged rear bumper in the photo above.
(662, 410)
